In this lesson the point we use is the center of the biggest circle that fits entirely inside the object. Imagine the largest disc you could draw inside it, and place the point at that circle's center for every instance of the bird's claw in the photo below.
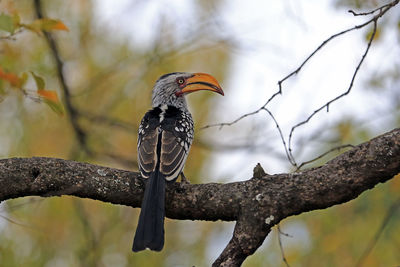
(183, 179)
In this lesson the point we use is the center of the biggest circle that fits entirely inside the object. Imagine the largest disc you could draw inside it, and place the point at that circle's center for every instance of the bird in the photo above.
(164, 139)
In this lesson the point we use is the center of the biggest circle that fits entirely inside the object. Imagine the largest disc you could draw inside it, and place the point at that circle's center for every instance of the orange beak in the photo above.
(201, 81)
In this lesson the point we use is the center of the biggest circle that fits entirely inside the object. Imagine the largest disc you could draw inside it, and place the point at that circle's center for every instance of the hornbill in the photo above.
(164, 140)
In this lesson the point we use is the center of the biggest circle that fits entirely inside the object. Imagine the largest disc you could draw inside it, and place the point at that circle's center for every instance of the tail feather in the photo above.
(150, 229)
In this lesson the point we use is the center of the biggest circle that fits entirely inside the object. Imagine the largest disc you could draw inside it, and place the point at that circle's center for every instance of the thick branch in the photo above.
(256, 204)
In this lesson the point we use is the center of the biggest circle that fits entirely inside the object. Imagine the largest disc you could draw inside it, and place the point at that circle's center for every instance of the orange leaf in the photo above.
(49, 24)
(13, 79)
(60, 26)
(45, 25)
(49, 95)
(51, 99)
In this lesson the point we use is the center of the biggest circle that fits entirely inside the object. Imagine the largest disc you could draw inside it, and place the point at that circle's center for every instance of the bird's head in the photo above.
(171, 88)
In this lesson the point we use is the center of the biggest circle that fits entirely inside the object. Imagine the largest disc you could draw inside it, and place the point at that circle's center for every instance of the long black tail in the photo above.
(150, 229)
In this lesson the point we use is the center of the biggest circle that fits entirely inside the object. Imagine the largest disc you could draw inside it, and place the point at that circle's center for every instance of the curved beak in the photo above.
(201, 81)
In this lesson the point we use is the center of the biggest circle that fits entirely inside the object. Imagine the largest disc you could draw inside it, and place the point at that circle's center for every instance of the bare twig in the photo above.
(283, 233)
(288, 149)
(220, 125)
(14, 207)
(338, 148)
(90, 235)
(17, 223)
(280, 82)
(391, 4)
(326, 105)
(11, 36)
(281, 246)
(389, 214)
(288, 155)
(100, 119)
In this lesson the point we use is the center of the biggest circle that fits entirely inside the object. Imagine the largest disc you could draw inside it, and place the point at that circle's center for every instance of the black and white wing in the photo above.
(165, 137)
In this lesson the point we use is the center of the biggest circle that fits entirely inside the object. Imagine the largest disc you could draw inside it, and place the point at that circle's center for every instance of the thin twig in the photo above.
(221, 125)
(11, 207)
(73, 114)
(11, 36)
(281, 247)
(17, 223)
(100, 119)
(296, 71)
(288, 155)
(338, 148)
(326, 105)
(283, 233)
(393, 3)
(382, 10)
(389, 214)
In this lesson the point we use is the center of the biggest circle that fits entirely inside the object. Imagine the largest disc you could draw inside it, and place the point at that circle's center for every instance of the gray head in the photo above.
(171, 88)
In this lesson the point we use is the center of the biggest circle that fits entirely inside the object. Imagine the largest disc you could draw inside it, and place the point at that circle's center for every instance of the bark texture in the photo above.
(256, 204)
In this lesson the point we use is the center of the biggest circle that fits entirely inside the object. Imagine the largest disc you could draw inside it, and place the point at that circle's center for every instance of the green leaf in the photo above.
(40, 84)
(23, 78)
(51, 99)
(16, 19)
(52, 24)
(45, 25)
(7, 23)
(56, 107)
(2, 90)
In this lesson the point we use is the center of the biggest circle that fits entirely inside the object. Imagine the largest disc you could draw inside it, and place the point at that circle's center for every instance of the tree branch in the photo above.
(256, 204)
(72, 111)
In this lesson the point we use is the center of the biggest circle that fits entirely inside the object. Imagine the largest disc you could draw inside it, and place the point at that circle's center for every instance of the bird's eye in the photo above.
(180, 81)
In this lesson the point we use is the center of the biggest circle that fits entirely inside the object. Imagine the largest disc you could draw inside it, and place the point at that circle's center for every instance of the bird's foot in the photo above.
(183, 179)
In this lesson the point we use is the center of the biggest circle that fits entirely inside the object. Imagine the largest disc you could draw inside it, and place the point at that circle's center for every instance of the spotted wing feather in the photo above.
(176, 141)
(149, 131)
(176, 130)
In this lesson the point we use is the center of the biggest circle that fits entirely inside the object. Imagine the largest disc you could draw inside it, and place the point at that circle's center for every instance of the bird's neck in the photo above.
(170, 109)
(179, 103)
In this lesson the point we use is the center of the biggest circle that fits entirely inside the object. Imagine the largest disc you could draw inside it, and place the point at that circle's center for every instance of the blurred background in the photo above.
(113, 53)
